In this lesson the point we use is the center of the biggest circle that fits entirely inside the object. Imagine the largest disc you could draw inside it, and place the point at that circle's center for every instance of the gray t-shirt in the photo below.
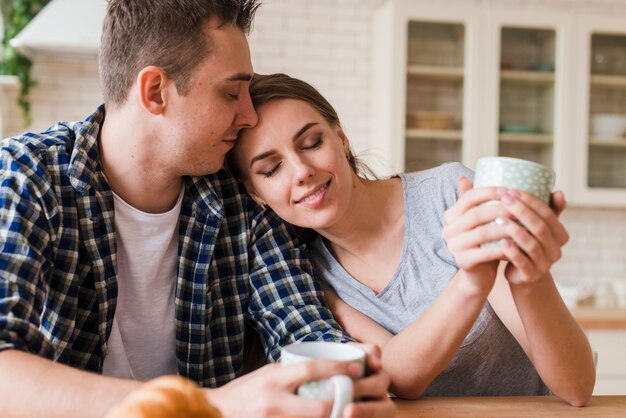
(490, 361)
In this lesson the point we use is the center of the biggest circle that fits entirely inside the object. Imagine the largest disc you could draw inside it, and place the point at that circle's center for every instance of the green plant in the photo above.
(16, 15)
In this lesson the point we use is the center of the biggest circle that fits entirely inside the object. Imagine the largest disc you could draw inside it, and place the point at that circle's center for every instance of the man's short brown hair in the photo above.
(165, 33)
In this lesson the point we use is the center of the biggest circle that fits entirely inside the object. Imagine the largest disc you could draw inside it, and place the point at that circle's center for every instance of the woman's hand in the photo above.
(469, 224)
(372, 389)
(537, 237)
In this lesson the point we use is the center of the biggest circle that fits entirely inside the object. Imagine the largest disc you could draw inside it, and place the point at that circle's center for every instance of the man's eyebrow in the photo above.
(240, 77)
(272, 152)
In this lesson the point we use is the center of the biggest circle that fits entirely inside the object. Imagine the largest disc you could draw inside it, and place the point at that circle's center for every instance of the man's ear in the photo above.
(151, 88)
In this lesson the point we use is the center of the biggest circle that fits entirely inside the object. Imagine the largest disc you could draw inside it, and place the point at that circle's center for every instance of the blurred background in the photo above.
(417, 83)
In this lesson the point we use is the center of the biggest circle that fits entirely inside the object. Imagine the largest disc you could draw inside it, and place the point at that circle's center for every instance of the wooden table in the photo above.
(513, 406)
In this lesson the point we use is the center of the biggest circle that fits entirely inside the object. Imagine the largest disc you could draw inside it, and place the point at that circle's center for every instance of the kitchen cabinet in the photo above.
(456, 81)
(525, 96)
(606, 330)
(424, 81)
(601, 65)
(611, 362)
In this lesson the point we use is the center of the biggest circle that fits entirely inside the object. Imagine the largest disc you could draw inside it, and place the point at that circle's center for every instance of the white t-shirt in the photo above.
(142, 344)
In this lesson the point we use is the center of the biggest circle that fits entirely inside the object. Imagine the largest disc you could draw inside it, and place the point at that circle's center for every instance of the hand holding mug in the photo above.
(271, 390)
(470, 224)
(536, 235)
(338, 388)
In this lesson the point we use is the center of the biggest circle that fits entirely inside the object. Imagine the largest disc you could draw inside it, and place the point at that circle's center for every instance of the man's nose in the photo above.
(247, 116)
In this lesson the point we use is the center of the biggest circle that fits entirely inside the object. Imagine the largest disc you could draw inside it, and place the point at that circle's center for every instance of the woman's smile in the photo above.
(315, 198)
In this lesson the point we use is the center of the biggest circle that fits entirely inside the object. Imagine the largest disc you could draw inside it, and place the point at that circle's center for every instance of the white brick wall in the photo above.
(326, 42)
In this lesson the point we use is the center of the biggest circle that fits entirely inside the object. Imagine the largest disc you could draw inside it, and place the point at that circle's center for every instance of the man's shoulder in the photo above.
(237, 204)
(33, 154)
(61, 134)
(221, 190)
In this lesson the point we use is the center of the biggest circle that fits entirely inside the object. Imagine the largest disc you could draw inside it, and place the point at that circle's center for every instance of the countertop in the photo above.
(595, 318)
(513, 406)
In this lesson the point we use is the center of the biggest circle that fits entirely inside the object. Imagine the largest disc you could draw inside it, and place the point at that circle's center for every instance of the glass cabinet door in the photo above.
(527, 90)
(606, 152)
(434, 94)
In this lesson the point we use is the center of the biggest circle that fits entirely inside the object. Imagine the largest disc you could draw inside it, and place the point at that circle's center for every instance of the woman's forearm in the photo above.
(358, 325)
(417, 355)
(556, 344)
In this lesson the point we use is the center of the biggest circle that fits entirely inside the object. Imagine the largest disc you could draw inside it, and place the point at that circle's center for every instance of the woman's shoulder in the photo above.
(437, 182)
(445, 172)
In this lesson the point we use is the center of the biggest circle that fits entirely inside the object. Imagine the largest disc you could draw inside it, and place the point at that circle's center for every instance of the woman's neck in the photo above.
(375, 214)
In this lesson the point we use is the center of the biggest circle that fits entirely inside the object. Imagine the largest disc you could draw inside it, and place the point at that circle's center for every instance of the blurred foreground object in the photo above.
(166, 397)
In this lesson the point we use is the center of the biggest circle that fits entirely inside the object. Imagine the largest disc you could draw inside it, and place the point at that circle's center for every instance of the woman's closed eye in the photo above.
(270, 172)
(316, 143)
(309, 144)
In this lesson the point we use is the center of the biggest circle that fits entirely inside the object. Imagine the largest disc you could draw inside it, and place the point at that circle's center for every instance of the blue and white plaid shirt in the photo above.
(58, 284)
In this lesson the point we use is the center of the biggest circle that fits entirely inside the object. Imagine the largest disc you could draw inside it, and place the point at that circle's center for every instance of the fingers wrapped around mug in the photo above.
(536, 237)
(473, 222)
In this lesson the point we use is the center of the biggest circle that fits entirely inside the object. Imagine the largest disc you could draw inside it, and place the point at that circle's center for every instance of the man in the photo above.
(122, 255)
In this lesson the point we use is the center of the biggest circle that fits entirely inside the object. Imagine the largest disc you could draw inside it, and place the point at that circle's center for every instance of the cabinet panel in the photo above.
(611, 366)
(600, 143)
(425, 72)
(527, 70)
(606, 165)
(526, 114)
(434, 99)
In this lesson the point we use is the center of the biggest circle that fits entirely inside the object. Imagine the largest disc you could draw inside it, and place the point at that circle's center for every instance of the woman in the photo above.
(404, 262)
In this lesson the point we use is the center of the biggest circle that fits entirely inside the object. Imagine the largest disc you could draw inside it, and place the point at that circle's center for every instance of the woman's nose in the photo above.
(303, 170)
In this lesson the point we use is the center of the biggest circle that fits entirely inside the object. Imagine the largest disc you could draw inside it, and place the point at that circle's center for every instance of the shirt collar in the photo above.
(85, 160)
(85, 166)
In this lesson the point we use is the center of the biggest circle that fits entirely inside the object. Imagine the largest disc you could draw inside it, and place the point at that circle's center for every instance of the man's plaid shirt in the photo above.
(58, 285)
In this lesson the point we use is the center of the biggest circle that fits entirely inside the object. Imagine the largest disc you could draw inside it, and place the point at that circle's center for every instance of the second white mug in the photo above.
(339, 388)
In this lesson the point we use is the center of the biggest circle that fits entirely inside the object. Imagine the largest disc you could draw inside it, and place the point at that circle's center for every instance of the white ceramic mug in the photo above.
(340, 387)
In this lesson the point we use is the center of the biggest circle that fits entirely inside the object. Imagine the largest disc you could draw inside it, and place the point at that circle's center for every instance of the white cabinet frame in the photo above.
(389, 73)
(483, 23)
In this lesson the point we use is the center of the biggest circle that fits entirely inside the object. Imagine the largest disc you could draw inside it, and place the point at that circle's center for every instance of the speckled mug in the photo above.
(340, 387)
(514, 173)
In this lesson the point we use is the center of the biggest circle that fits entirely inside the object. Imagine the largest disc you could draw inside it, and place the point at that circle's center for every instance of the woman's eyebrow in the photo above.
(304, 129)
(262, 156)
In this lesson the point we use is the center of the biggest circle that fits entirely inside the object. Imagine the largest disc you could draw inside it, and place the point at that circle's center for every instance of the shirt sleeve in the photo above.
(286, 304)
(24, 239)
(451, 173)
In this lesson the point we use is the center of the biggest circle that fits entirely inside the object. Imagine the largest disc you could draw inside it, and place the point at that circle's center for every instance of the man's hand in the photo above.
(271, 390)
